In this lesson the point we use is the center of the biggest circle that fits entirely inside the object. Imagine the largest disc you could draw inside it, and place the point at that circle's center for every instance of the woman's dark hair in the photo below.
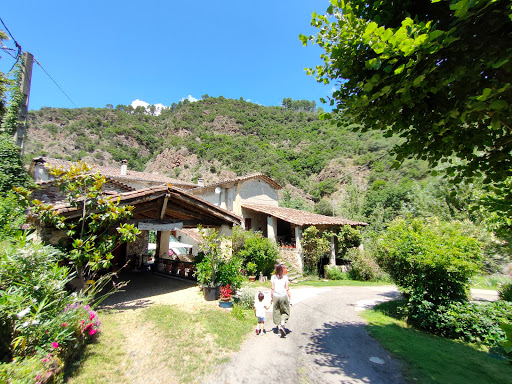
(279, 271)
(261, 296)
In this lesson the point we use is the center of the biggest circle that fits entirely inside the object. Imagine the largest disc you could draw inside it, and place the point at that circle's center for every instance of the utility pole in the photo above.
(26, 77)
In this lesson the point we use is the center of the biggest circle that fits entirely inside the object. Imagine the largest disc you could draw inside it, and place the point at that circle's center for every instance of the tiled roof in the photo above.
(116, 172)
(190, 232)
(110, 181)
(300, 218)
(151, 193)
(240, 178)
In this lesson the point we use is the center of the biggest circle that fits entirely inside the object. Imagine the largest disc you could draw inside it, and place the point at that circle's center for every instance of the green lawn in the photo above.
(336, 283)
(433, 359)
(160, 343)
(491, 282)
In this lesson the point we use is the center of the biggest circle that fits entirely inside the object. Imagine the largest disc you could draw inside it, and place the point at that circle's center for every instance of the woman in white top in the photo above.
(280, 297)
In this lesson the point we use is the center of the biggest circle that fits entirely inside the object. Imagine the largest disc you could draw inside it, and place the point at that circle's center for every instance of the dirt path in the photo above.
(141, 342)
(327, 343)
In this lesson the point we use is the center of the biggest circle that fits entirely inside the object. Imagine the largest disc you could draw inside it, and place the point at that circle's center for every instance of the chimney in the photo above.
(200, 182)
(124, 167)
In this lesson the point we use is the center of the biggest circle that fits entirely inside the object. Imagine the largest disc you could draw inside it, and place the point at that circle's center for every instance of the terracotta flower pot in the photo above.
(252, 279)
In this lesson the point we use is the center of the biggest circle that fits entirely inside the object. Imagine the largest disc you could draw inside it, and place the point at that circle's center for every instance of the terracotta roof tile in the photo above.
(240, 178)
(116, 172)
(155, 192)
(194, 234)
(300, 218)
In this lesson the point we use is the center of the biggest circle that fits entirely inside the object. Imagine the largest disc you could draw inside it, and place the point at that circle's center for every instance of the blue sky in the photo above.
(113, 52)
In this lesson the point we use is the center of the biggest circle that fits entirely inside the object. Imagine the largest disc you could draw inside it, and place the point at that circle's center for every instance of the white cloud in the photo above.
(140, 103)
(333, 89)
(190, 98)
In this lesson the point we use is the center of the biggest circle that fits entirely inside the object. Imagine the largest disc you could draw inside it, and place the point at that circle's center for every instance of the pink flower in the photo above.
(64, 324)
(92, 332)
(55, 345)
(92, 315)
(45, 360)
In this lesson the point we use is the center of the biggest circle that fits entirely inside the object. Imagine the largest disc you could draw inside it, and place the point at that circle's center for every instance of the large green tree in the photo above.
(437, 73)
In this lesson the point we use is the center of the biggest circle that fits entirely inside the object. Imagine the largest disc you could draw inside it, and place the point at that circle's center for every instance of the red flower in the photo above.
(55, 345)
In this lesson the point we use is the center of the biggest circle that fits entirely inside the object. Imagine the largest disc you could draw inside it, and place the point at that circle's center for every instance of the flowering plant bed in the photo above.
(226, 293)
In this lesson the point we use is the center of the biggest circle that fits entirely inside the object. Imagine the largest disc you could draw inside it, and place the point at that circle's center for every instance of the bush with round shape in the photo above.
(246, 298)
(260, 251)
(505, 292)
(333, 272)
(362, 266)
(432, 263)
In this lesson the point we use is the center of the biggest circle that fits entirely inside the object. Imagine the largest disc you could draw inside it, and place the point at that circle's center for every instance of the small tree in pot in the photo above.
(208, 266)
(251, 270)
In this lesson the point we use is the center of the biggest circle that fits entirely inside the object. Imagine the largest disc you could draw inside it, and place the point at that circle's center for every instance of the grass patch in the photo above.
(104, 360)
(160, 343)
(336, 283)
(489, 281)
(199, 340)
(433, 359)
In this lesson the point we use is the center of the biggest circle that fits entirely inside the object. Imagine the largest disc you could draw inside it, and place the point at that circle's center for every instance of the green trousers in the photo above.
(281, 309)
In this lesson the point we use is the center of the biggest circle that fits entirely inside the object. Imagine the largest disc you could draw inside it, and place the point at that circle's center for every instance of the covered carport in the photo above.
(162, 209)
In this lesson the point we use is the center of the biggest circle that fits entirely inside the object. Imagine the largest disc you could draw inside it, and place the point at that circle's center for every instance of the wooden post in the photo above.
(26, 77)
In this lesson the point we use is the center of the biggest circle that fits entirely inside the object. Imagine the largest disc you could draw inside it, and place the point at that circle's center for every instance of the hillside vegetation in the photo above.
(216, 138)
(323, 167)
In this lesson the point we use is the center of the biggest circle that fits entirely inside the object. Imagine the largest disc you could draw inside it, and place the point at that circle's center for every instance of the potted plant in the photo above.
(225, 297)
(208, 265)
(251, 270)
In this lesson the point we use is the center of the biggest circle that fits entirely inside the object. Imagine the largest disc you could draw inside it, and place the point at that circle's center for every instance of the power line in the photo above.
(5, 49)
(12, 37)
(17, 58)
(69, 98)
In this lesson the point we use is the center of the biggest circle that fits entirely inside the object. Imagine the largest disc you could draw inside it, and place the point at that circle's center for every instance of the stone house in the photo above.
(251, 199)
(255, 199)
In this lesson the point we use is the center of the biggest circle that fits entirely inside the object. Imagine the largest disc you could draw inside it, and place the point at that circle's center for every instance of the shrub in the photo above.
(246, 298)
(472, 322)
(505, 291)
(431, 262)
(315, 245)
(237, 312)
(42, 324)
(230, 272)
(348, 237)
(12, 216)
(260, 251)
(12, 173)
(333, 272)
(363, 266)
(27, 371)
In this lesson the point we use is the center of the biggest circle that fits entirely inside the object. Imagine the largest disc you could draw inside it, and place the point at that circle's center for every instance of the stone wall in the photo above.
(292, 257)
(139, 246)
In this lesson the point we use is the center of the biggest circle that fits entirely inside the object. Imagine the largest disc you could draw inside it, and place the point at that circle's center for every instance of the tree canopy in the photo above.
(437, 73)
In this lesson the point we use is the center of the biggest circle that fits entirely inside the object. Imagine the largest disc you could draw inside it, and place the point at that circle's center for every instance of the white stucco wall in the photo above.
(257, 191)
(184, 238)
(211, 197)
(258, 221)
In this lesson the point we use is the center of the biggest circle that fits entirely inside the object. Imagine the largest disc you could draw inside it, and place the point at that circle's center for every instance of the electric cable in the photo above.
(69, 98)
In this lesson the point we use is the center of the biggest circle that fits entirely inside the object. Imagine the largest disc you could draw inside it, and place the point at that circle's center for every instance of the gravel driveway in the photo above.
(327, 343)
